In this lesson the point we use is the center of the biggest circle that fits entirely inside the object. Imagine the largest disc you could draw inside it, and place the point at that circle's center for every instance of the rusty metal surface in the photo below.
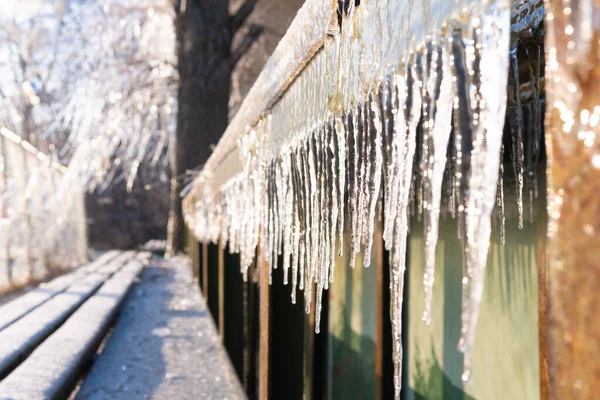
(542, 265)
(572, 129)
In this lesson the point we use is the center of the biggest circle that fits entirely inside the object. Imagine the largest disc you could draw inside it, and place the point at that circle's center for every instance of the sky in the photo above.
(21, 8)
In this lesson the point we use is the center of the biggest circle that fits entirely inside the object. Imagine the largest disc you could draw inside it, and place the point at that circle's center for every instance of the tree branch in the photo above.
(253, 33)
(237, 20)
(176, 5)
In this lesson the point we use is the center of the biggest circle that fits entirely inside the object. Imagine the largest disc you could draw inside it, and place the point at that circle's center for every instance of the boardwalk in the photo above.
(56, 342)
(164, 345)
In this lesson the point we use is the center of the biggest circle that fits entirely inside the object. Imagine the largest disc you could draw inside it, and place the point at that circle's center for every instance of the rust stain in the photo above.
(573, 79)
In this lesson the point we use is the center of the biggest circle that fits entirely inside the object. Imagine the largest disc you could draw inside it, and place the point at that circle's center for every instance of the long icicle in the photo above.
(440, 136)
(516, 127)
(374, 184)
(491, 47)
(410, 100)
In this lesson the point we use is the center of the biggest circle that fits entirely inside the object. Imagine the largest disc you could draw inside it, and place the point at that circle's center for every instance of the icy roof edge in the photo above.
(298, 47)
(302, 40)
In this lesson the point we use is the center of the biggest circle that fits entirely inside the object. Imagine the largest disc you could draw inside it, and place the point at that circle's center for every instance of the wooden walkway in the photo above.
(164, 343)
(48, 335)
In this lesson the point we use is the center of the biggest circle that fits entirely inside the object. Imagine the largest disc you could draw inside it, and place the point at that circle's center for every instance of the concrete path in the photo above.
(164, 344)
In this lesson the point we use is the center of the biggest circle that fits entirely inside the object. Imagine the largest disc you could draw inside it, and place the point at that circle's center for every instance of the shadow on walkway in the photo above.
(164, 344)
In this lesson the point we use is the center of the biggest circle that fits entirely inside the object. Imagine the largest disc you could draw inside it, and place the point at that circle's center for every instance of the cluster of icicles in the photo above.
(441, 112)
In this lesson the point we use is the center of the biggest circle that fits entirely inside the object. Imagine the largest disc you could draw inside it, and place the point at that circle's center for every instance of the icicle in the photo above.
(366, 173)
(390, 109)
(312, 249)
(451, 159)
(500, 198)
(456, 171)
(429, 79)
(396, 156)
(351, 171)
(336, 186)
(492, 33)
(293, 186)
(309, 228)
(374, 184)
(516, 124)
(355, 194)
(305, 238)
(288, 224)
(535, 59)
(269, 223)
(438, 145)
(277, 215)
(340, 152)
(282, 186)
(298, 213)
(465, 110)
(410, 98)
(323, 258)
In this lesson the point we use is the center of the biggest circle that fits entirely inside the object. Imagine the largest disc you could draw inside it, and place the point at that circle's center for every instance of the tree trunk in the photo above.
(203, 46)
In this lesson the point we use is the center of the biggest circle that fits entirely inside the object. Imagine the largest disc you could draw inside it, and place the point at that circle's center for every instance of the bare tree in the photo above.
(105, 84)
(204, 31)
(92, 81)
(121, 115)
(32, 85)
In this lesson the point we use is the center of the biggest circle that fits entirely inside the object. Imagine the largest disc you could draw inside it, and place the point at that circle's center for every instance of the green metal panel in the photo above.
(352, 328)
(506, 354)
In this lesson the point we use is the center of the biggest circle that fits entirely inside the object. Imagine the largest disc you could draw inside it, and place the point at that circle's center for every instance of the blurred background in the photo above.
(94, 85)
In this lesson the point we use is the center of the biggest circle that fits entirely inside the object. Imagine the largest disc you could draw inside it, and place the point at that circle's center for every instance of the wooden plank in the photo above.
(309, 359)
(20, 338)
(221, 267)
(263, 345)
(195, 258)
(205, 270)
(53, 368)
(12, 311)
(100, 261)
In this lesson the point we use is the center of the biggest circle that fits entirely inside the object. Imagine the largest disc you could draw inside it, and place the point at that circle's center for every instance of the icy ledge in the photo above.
(353, 111)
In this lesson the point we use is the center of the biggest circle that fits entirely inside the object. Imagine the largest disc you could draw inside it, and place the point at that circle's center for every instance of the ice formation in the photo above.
(372, 121)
